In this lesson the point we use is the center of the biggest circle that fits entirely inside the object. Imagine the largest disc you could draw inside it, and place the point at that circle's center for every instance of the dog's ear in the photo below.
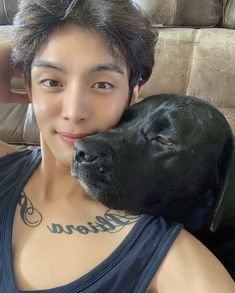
(225, 170)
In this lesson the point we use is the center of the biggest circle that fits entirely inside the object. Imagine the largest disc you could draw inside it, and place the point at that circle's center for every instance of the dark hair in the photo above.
(120, 22)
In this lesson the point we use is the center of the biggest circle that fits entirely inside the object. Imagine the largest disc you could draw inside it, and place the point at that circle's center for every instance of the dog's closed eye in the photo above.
(161, 140)
(154, 138)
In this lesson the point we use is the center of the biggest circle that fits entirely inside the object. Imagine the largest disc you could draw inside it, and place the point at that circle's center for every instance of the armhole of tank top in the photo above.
(157, 258)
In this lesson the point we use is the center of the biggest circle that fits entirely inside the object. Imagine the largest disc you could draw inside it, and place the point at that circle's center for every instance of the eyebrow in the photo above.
(48, 65)
(97, 68)
(107, 67)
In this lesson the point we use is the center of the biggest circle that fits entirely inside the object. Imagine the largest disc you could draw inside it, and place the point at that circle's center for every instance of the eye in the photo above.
(51, 83)
(159, 139)
(103, 85)
(155, 139)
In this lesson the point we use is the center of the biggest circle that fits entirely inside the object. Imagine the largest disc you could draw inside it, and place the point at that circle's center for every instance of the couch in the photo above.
(195, 55)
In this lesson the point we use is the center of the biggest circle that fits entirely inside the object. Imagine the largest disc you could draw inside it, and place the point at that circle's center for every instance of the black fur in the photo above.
(172, 156)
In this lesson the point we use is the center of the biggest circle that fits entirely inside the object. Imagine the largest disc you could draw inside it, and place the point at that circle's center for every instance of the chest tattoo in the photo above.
(110, 222)
(29, 215)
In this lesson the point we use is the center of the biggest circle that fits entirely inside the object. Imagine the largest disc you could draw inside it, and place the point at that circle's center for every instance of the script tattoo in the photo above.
(30, 216)
(111, 222)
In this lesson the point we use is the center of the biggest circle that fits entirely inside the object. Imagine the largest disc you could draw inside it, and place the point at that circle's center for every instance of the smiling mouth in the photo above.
(70, 138)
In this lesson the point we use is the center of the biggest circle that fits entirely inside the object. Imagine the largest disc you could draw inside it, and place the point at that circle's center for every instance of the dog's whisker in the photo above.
(121, 192)
(115, 191)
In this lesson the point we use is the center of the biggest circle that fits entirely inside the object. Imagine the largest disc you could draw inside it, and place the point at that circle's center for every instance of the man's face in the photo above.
(78, 89)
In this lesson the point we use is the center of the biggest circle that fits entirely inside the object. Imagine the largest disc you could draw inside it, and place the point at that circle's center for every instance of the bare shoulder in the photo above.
(6, 149)
(190, 267)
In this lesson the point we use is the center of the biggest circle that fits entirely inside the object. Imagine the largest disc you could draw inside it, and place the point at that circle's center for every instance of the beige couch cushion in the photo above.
(199, 13)
(199, 63)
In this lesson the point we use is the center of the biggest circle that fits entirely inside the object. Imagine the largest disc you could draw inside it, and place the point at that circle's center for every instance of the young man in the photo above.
(83, 63)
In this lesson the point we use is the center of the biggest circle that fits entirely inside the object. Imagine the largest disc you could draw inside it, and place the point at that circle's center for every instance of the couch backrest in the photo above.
(192, 61)
(191, 13)
(196, 62)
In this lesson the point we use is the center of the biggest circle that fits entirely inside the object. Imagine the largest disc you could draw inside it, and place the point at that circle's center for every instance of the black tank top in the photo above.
(129, 268)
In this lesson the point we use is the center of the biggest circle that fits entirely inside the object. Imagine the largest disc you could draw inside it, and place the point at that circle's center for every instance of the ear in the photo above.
(27, 87)
(225, 172)
(135, 94)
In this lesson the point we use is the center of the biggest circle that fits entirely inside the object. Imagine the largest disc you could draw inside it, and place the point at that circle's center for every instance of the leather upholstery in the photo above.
(192, 61)
(8, 9)
(199, 63)
(229, 14)
(182, 12)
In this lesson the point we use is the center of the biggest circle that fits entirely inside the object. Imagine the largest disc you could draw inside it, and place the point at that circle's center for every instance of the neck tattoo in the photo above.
(110, 222)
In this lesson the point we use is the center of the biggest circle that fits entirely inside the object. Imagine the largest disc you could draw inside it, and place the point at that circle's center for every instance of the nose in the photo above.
(75, 104)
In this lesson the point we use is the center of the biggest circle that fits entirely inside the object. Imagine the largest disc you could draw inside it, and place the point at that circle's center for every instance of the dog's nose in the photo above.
(82, 156)
(93, 149)
(84, 153)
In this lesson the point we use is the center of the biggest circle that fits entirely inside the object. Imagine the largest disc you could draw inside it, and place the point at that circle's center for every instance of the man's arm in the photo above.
(190, 267)
(7, 72)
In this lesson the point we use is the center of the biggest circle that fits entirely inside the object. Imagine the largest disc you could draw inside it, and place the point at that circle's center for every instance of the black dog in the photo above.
(169, 156)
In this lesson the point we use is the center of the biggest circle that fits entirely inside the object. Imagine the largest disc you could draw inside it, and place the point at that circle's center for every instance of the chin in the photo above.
(66, 158)
(63, 157)
(61, 154)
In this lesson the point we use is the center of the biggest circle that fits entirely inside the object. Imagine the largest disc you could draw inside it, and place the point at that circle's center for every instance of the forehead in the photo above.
(77, 45)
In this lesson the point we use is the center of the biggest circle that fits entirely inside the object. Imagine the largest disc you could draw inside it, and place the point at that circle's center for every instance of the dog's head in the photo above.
(168, 154)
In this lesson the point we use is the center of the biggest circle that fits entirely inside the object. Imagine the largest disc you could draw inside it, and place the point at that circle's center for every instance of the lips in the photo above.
(70, 138)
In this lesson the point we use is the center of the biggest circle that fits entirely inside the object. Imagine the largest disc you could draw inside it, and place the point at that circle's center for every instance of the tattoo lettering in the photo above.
(30, 216)
(110, 222)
